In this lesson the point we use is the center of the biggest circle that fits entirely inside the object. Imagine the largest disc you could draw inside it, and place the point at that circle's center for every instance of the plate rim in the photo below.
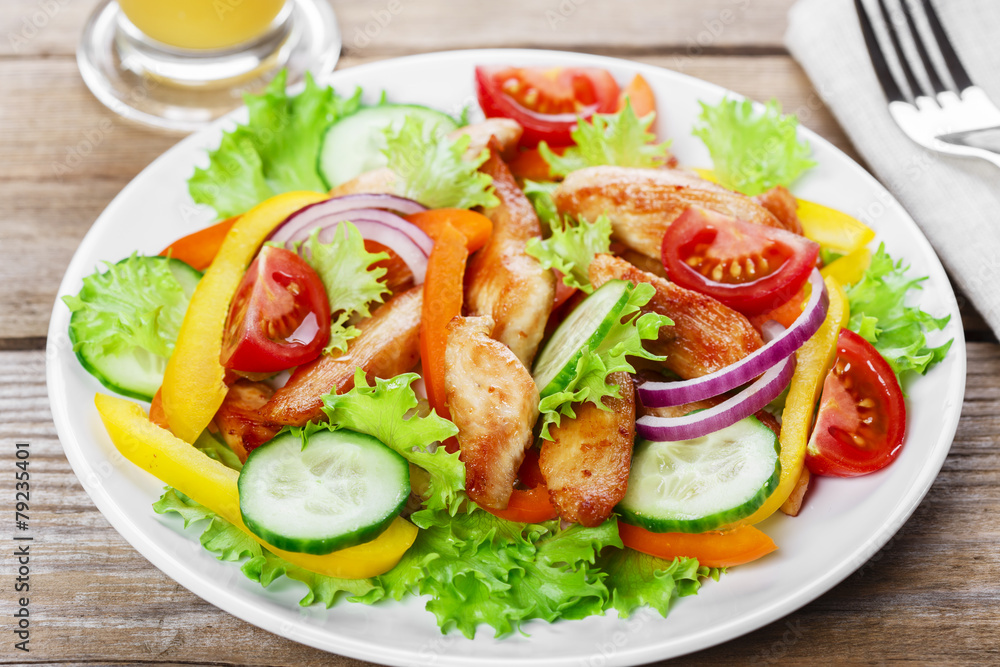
(314, 636)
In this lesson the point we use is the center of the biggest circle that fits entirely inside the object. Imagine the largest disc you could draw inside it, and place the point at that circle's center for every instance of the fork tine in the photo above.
(958, 73)
(925, 58)
(911, 80)
(882, 71)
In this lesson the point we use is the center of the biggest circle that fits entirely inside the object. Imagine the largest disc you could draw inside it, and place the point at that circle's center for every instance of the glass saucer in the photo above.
(184, 90)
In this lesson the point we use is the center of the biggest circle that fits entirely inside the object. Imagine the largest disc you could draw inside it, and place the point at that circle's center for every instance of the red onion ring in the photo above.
(307, 219)
(375, 230)
(307, 216)
(667, 394)
(727, 413)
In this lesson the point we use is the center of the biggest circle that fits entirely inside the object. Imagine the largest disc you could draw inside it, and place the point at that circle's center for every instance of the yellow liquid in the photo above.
(202, 24)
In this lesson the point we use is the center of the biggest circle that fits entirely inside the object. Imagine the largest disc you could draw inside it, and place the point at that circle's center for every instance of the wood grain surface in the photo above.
(930, 597)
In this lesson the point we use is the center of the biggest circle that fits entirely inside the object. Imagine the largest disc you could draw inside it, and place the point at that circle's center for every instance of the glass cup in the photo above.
(179, 64)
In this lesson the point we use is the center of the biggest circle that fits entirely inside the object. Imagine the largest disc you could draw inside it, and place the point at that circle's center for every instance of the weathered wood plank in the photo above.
(52, 27)
(929, 596)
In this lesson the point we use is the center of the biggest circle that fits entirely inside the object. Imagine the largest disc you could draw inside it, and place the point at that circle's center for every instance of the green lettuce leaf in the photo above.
(636, 580)
(619, 139)
(431, 170)
(879, 314)
(387, 411)
(752, 152)
(624, 339)
(478, 569)
(277, 151)
(352, 282)
(571, 248)
(136, 303)
(539, 193)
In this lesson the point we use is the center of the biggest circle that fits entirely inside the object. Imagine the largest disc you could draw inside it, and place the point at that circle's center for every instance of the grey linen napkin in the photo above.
(955, 201)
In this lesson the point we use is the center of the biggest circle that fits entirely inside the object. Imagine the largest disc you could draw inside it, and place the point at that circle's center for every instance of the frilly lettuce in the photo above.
(352, 283)
(136, 303)
(752, 152)
(387, 411)
(539, 193)
(637, 580)
(619, 139)
(431, 169)
(879, 314)
(277, 151)
(571, 248)
(479, 569)
(624, 339)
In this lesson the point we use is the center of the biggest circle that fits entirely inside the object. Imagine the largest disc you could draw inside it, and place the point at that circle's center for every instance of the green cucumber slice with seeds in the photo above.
(353, 145)
(135, 373)
(341, 489)
(581, 332)
(702, 484)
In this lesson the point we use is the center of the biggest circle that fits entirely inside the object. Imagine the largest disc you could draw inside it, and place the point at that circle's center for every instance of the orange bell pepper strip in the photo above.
(734, 547)
(200, 248)
(443, 286)
(640, 95)
(156, 413)
(531, 505)
(530, 165)
(194, 381)
(212, 484)
(813, 361)
(475, 227)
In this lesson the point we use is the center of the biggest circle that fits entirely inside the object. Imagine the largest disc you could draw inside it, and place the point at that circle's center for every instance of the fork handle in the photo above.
(983, 143)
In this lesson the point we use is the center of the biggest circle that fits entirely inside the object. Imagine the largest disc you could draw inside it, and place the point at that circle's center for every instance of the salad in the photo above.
(529, 367)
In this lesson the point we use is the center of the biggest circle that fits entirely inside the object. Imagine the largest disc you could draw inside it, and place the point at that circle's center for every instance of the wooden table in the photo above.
(930, 596)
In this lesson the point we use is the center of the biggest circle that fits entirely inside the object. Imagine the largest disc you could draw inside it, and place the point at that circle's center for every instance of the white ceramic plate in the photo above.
(843, 524)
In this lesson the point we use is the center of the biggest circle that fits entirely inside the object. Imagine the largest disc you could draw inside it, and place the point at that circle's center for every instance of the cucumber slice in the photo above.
(135, 373)
(581, 332)
(343, 488)
(693, 486)
(353, 145)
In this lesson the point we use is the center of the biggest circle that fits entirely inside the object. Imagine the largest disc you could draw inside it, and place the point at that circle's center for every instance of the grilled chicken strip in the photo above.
(586, 464)
(382, 181)
(389, 344)
(503, 281)
(706, 336)
(237, 419)
(782, 205)
(643, 202)
(494, 403)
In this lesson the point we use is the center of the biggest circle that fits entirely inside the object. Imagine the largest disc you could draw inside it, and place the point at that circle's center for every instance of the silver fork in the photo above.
(957, 121)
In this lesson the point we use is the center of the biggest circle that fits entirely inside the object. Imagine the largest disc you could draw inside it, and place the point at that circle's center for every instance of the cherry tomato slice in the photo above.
(748, 267)
(546, 102)
(280, 316)
(862, 417)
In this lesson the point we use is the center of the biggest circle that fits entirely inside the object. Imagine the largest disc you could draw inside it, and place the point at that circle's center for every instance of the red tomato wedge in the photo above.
(280, 316)
(532, 504)
(748, 267)
(546, 102)
(862, 416)
(733, 547)
(200, 248)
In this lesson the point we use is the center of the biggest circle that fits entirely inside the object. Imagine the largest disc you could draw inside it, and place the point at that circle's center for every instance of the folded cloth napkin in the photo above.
(955, 201)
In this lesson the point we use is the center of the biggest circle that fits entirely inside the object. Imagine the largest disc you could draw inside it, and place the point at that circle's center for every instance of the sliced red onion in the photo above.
(300, 224)
(727, 413)
(375, 230)
(306, 217)
(666, 394)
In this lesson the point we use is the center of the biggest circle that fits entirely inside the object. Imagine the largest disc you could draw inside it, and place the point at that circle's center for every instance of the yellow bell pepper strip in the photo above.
(193, 383)
(832, 229)
(813, 361)
(850, 268)
(212, 484)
